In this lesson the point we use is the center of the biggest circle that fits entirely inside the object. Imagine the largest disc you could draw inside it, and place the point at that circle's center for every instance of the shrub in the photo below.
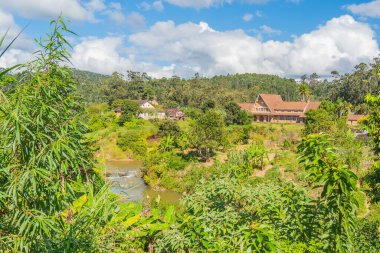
(133, 140)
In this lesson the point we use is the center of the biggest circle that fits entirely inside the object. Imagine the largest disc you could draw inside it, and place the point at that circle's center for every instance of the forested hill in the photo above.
(182, 92)
(89, 84)
(350, 87)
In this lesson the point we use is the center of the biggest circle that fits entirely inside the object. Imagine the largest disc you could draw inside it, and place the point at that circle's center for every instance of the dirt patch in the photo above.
(261, 173)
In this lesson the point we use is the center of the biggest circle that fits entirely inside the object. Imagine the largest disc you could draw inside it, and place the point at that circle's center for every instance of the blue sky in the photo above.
(181, 37)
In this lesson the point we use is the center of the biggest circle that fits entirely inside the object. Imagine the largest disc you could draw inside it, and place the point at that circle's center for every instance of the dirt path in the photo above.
(261, 173)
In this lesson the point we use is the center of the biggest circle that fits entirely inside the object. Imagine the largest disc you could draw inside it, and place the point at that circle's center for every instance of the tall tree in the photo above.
(208, 133)
(338, 184)
(304, 91)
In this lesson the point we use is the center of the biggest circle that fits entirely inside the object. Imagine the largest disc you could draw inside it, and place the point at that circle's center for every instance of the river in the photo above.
(126, 181)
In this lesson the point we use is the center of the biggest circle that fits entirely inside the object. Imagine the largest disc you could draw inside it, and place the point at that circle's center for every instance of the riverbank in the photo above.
(125, 178)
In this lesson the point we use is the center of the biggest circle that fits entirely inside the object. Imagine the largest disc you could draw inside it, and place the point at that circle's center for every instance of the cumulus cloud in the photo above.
(106, 55)
(135, 21)
(370, 9)
(102, 55)
(96, 5)
(72, 9)
(167, 49)
(156, 5)
(23, 47)
(339, 44)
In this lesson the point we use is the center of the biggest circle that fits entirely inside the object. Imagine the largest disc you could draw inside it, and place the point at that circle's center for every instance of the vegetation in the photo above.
(246, 187)
(45, 165)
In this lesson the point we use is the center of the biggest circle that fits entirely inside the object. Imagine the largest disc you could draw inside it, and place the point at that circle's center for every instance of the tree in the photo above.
(207, 105)
(338, 185)
(304, 91)
(234, 115)
(130, 110)
(208, 133)
(372, 121)
(318, 121)
(114, 88)
(220, 216)
(372, 125)
(330, 118)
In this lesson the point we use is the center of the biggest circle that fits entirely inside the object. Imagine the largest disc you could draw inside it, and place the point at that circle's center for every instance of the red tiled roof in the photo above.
(246, 106)
(312, 105)
(271, 100)
(298, 106)
(279, 107)
(355, 117)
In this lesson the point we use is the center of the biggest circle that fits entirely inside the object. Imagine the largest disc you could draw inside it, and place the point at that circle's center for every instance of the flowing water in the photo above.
(126, 181)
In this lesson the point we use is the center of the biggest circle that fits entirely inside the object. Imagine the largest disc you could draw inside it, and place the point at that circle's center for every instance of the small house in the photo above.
(175, 114)
(153, 102)
(353, 119)
(117, 111)
(271, 108)
(145, 104)
(147, 114)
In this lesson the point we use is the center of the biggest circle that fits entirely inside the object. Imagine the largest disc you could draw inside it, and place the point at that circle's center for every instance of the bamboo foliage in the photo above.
(44, 163)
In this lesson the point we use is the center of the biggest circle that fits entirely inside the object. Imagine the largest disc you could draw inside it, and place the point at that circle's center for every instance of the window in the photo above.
(262, 109)
(292, 118)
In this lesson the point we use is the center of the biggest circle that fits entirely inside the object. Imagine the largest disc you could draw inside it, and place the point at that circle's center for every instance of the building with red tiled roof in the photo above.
(353, 119)
(271, 108)
(175, 114)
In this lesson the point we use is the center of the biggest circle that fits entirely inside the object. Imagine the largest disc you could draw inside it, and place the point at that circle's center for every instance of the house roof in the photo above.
(312, 105)
(279, 107)
(355, 117)
(141, 102)
(117, 109)
(271, 100)
(246, 106)
(298, 106)
(173, 111)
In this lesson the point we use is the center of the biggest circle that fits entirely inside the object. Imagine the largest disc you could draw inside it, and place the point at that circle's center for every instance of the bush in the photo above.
(133, 140)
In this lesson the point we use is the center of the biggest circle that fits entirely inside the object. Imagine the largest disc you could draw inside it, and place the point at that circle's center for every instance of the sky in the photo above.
(289, 38)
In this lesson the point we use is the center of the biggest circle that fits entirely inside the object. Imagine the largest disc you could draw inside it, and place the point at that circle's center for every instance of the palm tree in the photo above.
(304, 91)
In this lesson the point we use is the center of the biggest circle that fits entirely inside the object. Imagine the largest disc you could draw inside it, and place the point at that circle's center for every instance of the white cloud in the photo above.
(21, 50)
(259, 14)
(106, 55)
(199, 4)
(156, 5)
(269, 30)
(135, 21)
(96, 5)
(6, 21)
(339, 44)
(72, 9)
(116, 6)
(101, 55)
(370, 9)
(167, 49)
(247, 17)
